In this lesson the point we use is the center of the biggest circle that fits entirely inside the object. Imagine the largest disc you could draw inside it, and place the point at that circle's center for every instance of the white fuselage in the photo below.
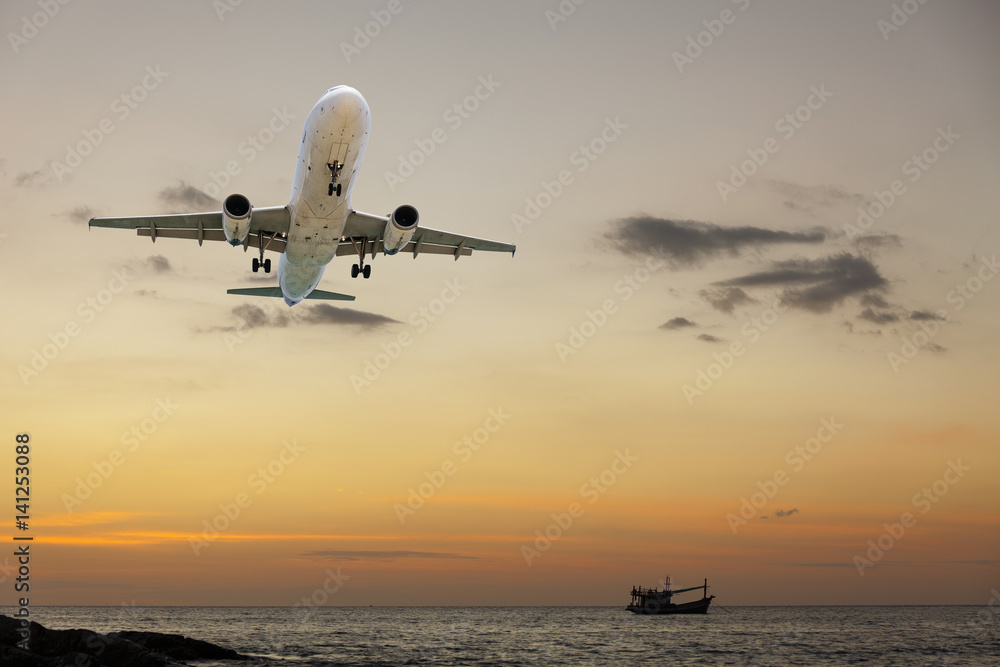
(336, 131)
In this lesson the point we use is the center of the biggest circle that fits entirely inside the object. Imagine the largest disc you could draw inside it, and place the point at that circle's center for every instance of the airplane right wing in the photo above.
(430, 241)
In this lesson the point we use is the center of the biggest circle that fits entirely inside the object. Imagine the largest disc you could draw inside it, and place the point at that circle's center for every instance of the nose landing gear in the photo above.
(334, 168)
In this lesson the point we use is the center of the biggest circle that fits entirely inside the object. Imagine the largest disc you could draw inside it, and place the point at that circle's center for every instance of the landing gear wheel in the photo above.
(367, 272)
(329, 191)
(338, 189)
(355, 271)
(267, 266)
(255, 265)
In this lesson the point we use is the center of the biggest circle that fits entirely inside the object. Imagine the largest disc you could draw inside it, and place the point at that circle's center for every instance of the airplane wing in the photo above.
(272, 221)
(431, 241)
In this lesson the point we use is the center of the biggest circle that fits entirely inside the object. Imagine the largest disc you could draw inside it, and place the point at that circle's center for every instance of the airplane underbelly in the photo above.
(313, 240)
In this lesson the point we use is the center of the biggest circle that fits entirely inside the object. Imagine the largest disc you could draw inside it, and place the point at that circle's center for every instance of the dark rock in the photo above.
(84, 648)
(179, 647)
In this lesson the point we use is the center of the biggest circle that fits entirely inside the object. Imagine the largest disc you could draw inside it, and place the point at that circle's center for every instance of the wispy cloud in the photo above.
(690, 243)
(807, 198)
(31, 179)
(385, 555)
(873, 242)
(184, 198)
(80, 214)
(709, 338)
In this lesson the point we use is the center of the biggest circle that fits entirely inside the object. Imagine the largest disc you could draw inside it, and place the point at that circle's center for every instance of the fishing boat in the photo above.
(655, 601)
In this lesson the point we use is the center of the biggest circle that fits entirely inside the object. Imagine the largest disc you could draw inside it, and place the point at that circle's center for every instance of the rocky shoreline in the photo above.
(85, 648)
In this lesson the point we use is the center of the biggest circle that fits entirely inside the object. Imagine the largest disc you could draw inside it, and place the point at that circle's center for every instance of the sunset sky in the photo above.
(752, 322)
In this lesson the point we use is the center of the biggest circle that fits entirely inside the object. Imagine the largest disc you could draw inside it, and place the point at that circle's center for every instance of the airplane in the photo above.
(318, 223)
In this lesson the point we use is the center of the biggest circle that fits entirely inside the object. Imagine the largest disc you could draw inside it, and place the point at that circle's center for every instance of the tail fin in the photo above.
(276, 291)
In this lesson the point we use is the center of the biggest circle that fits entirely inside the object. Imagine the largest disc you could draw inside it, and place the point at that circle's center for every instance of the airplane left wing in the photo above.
(271, 220)
(431, 241)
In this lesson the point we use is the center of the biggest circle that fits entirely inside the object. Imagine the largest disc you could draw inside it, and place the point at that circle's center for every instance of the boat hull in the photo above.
(655, 608)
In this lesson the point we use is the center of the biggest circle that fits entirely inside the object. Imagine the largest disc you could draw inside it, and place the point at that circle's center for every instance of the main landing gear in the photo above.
(266, 263)
(334, 168)
(360, 268)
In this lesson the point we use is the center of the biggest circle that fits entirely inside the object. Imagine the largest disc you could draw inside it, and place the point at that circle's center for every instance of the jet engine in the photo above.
(399, 229)
(236, 218)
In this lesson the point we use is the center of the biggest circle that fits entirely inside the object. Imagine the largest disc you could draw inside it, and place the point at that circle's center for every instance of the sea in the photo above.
(308, 636)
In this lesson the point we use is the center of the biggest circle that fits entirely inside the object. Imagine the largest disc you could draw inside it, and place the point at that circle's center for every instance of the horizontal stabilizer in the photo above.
(276, 291)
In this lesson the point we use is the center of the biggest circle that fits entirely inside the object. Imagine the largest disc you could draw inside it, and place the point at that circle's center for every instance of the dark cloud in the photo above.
(81, 214)
(386, 555)
(874, 300)
(877, 317)
(254, 316)
(709, 338)
(927, 316)
(158, 263)
(784, 513)
(677, 323)
(184, 198)
(817, 285)
(726, 299)
(873, 242)
(934, 347)
(807, 198)
(326, 314)
(690, 243)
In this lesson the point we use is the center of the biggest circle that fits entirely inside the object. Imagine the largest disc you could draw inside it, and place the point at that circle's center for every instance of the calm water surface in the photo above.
(565, 635)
